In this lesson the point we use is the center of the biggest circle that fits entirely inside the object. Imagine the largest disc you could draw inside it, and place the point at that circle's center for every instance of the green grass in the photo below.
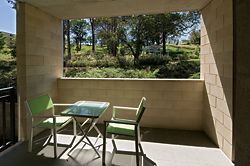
(181, 48)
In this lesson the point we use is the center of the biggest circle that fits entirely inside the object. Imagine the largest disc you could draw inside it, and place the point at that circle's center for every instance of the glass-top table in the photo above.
(92, 110)
(87, 109)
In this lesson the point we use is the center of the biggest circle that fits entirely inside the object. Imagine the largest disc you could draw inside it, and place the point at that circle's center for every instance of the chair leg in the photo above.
(55, 142)
(104, 145)
(137, 148)
(30, 140)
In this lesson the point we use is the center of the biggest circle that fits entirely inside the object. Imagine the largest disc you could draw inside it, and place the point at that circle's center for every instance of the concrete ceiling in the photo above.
(69, 9)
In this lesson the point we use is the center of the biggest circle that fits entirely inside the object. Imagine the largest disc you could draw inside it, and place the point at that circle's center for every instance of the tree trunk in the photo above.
(93, 33)
(80, 44)
(68, 39)
(164, 43)
(114, 50)
(135, 53)
(64, 34)
(114, 31)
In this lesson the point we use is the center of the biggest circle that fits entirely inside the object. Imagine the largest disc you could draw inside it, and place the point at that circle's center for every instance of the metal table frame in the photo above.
(86, 110)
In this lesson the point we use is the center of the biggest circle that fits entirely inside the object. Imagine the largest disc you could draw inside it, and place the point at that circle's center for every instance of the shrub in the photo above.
(126, 62)
(107, 61)
(195, 76)
(110, 73)
(181, 69)
(7, 71)
(153, 60)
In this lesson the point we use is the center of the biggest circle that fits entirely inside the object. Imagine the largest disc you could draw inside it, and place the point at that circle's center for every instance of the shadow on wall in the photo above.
(208, 121)
(217, 58)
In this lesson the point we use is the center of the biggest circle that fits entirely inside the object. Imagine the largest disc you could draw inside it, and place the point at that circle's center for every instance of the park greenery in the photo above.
(142, 46)
(182, 61)
(7, 62)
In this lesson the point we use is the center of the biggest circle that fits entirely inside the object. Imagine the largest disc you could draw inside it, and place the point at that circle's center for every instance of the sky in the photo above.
(7, 17)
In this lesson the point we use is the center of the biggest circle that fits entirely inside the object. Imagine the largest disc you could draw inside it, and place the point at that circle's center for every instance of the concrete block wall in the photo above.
(217, 71)
(173, 104)
(39, 56)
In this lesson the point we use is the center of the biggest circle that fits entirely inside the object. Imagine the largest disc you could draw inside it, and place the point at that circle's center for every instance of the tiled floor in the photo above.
(164, 147)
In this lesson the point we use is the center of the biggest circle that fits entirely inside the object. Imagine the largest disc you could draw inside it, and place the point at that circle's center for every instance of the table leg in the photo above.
(90, 126)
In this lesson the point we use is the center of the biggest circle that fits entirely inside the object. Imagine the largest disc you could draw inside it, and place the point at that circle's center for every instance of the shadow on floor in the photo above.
(84, 157)
(178, 137)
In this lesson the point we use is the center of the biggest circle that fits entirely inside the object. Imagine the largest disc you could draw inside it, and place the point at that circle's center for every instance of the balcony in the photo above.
(173, 130)
(202, 106)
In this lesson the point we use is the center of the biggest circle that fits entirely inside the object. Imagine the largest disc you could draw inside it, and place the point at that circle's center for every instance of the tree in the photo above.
(172, 25)
(108, 30)
(78, 29)
(133, 35)
(2, 40)
(13, 3)
(92, 24)
(195, 37)
(66, 37)
(12, 47)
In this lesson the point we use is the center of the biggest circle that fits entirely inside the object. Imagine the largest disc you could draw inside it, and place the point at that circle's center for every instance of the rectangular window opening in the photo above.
(158, 46)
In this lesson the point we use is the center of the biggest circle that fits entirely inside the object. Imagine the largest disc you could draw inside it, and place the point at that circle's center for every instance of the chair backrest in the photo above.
(140, 110)
(40, 104)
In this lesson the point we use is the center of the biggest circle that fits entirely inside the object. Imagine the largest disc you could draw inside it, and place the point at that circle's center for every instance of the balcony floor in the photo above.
(164, 147)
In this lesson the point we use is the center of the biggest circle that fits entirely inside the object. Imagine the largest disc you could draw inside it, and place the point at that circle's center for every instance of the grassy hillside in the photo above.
(182, 61)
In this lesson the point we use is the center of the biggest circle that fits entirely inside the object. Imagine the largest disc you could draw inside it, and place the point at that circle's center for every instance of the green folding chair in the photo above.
(125, 127)
(42, 115)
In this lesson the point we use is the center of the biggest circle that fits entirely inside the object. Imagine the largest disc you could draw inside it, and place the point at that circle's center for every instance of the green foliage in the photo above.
(78, 29)
(195, 37)
(12, 47)
(195, 76)
(125, 62)
(2, 42)
(108, 61)
(181, 69)
(182, 62)
(153, 60)
(111, 73)
(7, 71)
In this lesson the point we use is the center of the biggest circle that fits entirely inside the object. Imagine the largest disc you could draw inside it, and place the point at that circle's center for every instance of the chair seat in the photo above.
(48, 123)
(122, 129)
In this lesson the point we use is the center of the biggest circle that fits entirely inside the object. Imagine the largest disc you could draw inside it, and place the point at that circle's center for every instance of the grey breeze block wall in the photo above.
(39, 56)
(174, 104)
(217, 71)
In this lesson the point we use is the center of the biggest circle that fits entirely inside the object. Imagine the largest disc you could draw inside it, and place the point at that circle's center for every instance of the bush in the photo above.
(126, 62)
(110, 73)
(153, 60)
(195, 76)
(107, 61)
(181, 69)
(7, 71)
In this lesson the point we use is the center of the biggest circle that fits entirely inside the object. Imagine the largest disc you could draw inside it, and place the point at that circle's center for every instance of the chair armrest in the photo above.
(122, 121)
(62, 104)
(61, 116)
(43, 116)
(119, 108)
